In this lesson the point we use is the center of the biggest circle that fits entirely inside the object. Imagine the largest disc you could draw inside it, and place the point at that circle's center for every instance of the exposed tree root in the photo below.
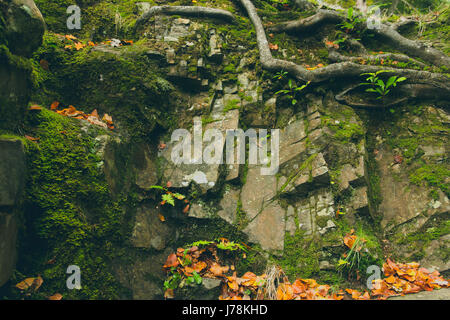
(410, 47)
(335, 56)
(187, 11)
(335, 70)
(406, 92)
(312, 22)
(413, 48)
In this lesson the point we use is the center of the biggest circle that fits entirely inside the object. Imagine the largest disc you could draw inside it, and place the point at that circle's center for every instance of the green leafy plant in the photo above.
(293, 90)
(378, 85)
(348, 26)
(168, 197)
(280, 75)
(351, 22)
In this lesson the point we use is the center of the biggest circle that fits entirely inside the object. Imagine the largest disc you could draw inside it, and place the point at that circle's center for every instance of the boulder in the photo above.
(12, 179)
(25, 26)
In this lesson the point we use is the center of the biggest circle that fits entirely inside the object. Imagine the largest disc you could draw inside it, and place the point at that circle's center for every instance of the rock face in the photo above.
(339, 168)
(12, 179)
(21, 31)
(24, 26)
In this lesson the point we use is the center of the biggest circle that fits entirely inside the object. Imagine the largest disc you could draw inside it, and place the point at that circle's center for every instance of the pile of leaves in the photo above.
(31, 285)
(200, 260)
(105, 122)
(405, 278)
(71, 42)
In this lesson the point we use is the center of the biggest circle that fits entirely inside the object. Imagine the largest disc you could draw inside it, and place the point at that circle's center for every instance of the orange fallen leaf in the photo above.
(172, 261)
(54, 105)
(107, 118)
(31, 138)
(168, 294)
(79, 46)
(94, 113)
(70, 37)
(35, 107)
(186, 209)
(161, 217)
(56, 296)
(33, 283)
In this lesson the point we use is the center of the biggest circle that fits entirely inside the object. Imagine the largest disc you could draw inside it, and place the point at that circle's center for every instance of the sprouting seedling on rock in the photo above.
(378, 85)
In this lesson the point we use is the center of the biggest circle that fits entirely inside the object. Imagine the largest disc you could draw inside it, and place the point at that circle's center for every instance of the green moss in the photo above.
(432, 174)
(300, 257)
(69, 213)
(123, 85)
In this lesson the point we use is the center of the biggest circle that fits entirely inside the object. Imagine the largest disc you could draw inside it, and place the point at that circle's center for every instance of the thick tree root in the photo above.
(410, 47)
(335, 56)
(312, 22)
(413, 48)
(187, 11)
(406, 92)
(335, 70)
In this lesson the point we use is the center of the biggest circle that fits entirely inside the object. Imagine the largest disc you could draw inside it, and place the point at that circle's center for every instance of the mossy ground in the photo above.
(69, 215)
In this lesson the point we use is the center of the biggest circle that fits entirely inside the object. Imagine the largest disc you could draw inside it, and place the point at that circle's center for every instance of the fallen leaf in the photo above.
(70, 37)
(168, 294)
(273, 46)
(94, 113)
(161, 217)
(172, 261)
(56, 296)
(54, 105)
(35, 107)
(79, 46)
(31, 138)
(44, 64)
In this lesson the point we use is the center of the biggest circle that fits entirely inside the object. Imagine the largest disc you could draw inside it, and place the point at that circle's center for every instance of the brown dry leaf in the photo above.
(217, 270)
(161, 217)
(70, 37)
(168, 294)
(186, 209)
(285, 292)
(273, 46)
(199, 266)
(349, 239)
(56, 296)
(107, 118)
(35, 107)
(44, 64)
(79, 46)
(172, 261)
(94, 114)
(25, 284)
(33, 283)
(31, 138)
(54, 105)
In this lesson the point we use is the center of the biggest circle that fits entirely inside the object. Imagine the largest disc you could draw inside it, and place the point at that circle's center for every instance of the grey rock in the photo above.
(149, 231)
(25, 27)
(12, 171)
(8, 251)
